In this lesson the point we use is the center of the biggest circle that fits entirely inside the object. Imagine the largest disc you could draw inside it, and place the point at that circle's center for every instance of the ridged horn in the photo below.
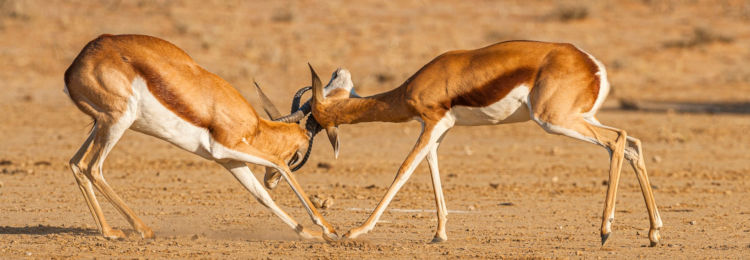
(298, 97)
(268, 106)
(292, 118)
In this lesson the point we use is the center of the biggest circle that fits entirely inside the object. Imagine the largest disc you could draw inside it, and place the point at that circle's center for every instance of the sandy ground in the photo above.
(513, 190)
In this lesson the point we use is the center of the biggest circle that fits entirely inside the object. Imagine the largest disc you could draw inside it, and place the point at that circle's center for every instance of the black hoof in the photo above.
(437, 240)
(604, 238)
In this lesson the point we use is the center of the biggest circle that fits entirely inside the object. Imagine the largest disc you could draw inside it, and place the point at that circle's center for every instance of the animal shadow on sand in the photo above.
(46, 230)
(685, 107)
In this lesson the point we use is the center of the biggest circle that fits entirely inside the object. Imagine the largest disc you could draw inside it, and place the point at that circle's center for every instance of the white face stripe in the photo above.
(341, 78)
(509, 109)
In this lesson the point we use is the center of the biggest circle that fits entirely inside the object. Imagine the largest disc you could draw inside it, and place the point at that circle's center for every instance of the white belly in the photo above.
(512, 108)
(152, 118)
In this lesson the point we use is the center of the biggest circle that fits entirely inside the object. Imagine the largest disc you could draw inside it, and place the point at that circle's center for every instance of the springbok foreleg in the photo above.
(431, 132)
(247, 179)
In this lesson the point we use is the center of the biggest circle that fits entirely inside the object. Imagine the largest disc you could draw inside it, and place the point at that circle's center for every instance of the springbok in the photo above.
(557, 85)
(151, 86)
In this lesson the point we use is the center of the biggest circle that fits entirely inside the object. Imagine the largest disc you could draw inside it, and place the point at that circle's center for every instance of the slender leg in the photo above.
(104, 141)
(431, 132)
(581, 129)
(317, 218)
(615, 166)
(442, 211)
(245, 153)
(80, 171)
(246, 177)
(634, 154)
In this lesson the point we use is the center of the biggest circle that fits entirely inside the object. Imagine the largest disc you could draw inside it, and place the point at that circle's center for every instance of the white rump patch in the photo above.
(603, 86)
(509, 109)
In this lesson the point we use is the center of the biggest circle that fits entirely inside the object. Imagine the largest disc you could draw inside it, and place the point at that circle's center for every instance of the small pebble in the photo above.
(555, 151)
(327, 203)
(656, 159)
(42, 163)
(468, 151)
(324, 165)
(692, 222)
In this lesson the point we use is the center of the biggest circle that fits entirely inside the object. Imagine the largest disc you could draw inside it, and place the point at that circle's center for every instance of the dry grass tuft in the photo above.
(568, 13)
(699, 37)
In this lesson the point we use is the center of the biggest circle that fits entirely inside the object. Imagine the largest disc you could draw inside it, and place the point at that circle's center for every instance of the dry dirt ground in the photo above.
(514, 190)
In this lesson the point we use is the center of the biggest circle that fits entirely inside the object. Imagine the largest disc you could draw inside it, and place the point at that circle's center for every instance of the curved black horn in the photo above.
(298, 96)
(313, 128)
(292, 118)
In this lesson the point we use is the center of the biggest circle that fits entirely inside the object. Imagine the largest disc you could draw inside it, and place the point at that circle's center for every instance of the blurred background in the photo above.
(682, 65)
(660, 50)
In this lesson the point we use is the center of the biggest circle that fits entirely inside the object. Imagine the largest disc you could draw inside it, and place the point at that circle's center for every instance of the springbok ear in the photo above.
(317, 86)
(333, 136)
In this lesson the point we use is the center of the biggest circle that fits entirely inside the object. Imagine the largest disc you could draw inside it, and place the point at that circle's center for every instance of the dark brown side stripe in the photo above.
(159, 88)
(495, 89)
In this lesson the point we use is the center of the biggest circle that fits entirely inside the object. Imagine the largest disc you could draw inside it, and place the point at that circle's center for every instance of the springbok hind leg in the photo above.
(580, 129)
(634, 154)
(103, 142)
(79, 166)
(616, 149)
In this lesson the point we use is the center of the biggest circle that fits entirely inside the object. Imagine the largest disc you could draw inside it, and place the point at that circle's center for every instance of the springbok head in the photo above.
(339, 87)
(295, 116)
